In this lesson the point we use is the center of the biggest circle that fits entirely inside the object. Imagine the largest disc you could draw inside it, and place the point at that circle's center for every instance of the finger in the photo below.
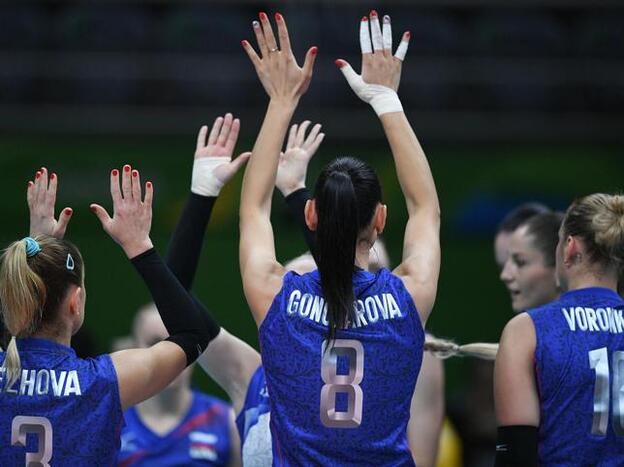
(387, 34)
(267, 30)
(63, 221)
(114, 188)
(149, 194)
(214, 132)
(43, 185)
(126, 183)
(292, 134)
(282, 31)
(251, 53)
(312, 135)
(301, 133)
(201, 138)
(51, 193)
(402, 48)
(262, 45)
(308, 64)
(233, 136)
(237, 163)
(30, 192)
(365, 41)
(37, 187)
(136, 185)
(376, 31)
(101, 214)
(315, 144)
(349, 73)
(225, 130)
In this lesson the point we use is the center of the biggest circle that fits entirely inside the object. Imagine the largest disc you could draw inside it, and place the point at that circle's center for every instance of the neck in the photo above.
(362, 255)
(583, 280)
(171, 401)
(59, 336)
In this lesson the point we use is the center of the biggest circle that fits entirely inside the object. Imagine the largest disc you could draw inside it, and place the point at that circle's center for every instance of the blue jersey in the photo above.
(349, 403)
(202, 437)
(579, 366)
(253, 423)
(62, 411)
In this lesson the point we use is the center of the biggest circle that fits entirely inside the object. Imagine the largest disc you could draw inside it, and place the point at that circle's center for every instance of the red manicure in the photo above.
(339, 63)
(127, 168)
(30, 184)
(135, 173)
(364, 18)
(314, 50)
(244, 43)
(408, 35)
(149, 184)
(53, 176)
(278, 17)
(68, 211)
(263, 16)
(115, 172)
(373, 13)
(38, 174)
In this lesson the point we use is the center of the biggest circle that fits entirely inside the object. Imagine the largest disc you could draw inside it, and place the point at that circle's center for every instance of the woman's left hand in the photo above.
(41, 198)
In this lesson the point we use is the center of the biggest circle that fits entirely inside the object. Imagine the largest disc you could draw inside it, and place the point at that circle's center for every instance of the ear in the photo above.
(381, 214)
(311, 219)
(74, 300)
(570, 250)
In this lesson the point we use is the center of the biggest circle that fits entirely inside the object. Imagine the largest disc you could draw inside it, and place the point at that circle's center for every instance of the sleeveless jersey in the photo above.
(201, 439)
(349, 404)
(62, 411)
(253, 423)
(579, 366)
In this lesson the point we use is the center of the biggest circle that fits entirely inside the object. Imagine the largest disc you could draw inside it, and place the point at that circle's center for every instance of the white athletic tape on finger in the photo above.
(402, 50)
(383, 99)
(387, 33)
(365, 42)
(376, 33)
(203, 181)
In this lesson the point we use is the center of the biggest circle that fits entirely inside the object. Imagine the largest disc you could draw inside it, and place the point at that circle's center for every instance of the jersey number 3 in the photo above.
(348, 384)
(599, 362)
(39, 426)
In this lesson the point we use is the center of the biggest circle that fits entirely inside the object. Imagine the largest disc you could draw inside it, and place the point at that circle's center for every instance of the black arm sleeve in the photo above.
(189, 326)
(296, 202)
(188, 237)
(516, 446)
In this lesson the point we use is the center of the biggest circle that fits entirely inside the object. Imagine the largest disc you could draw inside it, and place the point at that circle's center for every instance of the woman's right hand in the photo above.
(283, 79)
(132, 217)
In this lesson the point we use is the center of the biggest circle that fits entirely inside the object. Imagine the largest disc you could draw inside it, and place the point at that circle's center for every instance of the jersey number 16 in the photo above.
(599, 362)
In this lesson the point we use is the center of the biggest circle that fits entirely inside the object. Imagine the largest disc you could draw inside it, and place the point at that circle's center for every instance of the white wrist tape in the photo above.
(383, 99)
(204, 182)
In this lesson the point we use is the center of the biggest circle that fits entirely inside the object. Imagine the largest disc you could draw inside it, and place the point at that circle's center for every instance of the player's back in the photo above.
(349, 404)
(62, 411)
(579, 363)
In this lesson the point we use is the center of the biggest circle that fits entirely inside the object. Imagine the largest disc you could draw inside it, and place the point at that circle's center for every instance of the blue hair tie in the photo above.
(32, 247)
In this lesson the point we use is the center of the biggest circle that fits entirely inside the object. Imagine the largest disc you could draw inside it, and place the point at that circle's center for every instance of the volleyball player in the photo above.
(340, 419)
(571, 349)
(57, 408)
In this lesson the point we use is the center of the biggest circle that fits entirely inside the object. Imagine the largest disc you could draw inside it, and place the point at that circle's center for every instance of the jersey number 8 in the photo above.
(348, 384)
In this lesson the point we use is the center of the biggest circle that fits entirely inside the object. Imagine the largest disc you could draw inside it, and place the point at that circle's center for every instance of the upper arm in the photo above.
(420, 267)
(142, 373)
(427, 412)
(515, 389)
(231, 362)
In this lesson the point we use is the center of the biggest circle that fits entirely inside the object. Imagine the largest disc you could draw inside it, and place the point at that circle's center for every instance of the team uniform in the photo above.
(351, 400)
(62, 411)
(579, 366)
(202, 438)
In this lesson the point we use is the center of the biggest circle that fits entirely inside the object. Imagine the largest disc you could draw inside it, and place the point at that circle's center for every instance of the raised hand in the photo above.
(293, 163)
(41, 198)
(381, 71)
(132, 216)
(277, 68)
(213, 166)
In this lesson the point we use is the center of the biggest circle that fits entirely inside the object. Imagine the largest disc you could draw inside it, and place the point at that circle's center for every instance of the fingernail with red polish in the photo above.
(38, 174)
(263, 16)
(149, 184)
(244, 43)
(30, 184)
(135, 173)
(127, 168)
(364, 18)
(278, 17)
(115, 172)
(339, 63)
(92, 208)
(52, 176)
(373, 13)
(68, 211)
(314, 50)
(408, 35)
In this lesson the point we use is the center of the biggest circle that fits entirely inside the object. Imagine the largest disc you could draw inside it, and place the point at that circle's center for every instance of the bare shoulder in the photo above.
(520, 332)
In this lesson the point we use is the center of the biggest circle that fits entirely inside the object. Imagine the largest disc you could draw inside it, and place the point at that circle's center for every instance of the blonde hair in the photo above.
(443, 349)
(32, 288)
(599, 220)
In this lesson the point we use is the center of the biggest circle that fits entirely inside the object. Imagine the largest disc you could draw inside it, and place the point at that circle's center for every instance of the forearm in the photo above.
(187, 325)
(411, 163)
(259, 179)
(188, 237)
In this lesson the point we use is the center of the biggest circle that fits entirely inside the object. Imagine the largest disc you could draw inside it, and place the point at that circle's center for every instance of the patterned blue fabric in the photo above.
(76, 399)
(579, 351)
(369, 375)
(253, 423)
(201, 439)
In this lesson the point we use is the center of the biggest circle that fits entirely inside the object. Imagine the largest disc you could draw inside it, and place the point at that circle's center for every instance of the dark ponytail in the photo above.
(347, 193)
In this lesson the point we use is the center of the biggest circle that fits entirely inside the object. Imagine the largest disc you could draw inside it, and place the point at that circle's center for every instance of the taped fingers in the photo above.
(365, 41)
(376, 31)
(402, 48)
(387, 34)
